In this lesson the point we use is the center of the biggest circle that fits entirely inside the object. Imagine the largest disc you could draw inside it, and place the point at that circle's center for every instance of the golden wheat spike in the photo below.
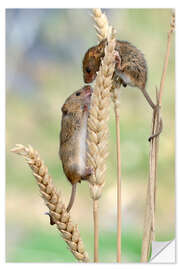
(54, 202)
(102, 26)
(98, 120)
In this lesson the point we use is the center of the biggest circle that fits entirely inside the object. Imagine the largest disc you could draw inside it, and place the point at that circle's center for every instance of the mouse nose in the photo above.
(87, 79)
(88, 89)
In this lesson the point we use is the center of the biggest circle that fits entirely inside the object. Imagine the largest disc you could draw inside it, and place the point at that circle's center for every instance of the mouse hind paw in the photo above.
(51, 221)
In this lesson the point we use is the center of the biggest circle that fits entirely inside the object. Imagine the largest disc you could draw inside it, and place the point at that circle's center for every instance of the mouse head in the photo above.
(77, 100)
(92, 61)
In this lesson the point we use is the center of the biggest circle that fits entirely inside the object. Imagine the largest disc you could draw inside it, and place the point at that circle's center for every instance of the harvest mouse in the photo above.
(130, 69)
(73, 148)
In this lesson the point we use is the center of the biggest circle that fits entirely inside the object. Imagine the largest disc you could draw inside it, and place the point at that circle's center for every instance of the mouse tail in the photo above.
(148, 98)
(73, 193)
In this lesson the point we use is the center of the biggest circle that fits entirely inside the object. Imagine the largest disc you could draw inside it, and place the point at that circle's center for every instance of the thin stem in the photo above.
(156, 153)
(118, 184)
(149, 225)
(148, 217)
(147, 229)
(165, 67)
(96, 232)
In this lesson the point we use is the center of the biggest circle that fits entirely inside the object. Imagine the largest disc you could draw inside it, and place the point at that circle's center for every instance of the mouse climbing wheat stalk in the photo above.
(73, 148)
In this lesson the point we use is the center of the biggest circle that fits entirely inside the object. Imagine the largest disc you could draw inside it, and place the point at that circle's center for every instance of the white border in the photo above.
(89, 4)
(2, 134)
(75, 4)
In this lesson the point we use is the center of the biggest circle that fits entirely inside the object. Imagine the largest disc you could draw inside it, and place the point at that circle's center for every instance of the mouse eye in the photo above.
(78, 93)
(65, 112)
(88, 70)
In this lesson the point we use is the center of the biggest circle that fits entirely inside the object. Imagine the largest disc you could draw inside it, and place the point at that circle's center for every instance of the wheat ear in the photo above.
(98, 130)
(102, 27)
(54, 202)
(98, 121)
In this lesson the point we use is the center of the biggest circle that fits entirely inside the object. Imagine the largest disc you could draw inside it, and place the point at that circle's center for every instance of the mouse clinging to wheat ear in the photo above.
(130, 68)
(73, 134)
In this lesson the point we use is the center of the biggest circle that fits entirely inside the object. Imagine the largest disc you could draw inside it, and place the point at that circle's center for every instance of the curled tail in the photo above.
(73, 193)
(159, 131)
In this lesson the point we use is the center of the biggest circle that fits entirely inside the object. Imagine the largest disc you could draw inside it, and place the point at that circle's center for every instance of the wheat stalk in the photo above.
(98, 130)
(149, 222)
(115, 98)
(98, 121)
(54, 202)
(172, 28)
(102, 27)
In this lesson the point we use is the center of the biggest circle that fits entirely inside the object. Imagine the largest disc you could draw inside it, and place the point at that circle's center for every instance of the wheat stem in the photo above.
(118, 185)
(54, 202)
(102, 27)
(166, 58)
(149, 223)
(96, 230)
(98, 123)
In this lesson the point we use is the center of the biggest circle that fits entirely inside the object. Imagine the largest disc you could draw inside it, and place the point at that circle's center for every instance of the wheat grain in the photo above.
(98, 120)
(54, 202)
(98, 130)
(102, 28)
(101, 21)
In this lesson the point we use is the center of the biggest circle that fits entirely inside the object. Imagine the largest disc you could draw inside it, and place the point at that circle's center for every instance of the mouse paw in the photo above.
(117, 61)
(85, 108)
(88, 172)
(51, 221)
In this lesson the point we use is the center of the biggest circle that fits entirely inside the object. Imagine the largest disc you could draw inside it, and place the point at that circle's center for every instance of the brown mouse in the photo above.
(73, 148)
(130, 69)
(131, 65)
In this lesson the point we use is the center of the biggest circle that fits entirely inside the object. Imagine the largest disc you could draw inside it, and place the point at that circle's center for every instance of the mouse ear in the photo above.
(100, 50)
(101, 46)
(64, 109)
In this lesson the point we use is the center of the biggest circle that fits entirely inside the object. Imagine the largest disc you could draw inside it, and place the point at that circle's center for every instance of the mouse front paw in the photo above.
(117, 61)
(85, 108)
(88, 172)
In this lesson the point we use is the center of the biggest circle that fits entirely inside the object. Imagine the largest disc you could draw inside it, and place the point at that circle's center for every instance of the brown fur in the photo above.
(131, 65)
(74, 109)
(136, 66)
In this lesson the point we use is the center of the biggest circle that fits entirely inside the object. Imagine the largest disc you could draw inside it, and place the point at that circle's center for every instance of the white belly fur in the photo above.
(81, 145)
(125, 78)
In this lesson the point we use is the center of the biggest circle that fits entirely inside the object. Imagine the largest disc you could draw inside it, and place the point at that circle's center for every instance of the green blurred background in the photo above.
(44, 52)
